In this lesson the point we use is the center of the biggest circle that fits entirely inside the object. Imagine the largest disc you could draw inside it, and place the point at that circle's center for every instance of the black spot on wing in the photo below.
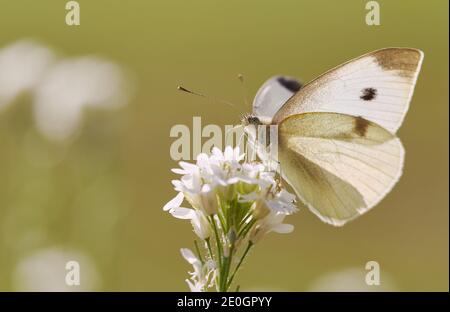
(361, 126)
(368, 94)
(290, 84)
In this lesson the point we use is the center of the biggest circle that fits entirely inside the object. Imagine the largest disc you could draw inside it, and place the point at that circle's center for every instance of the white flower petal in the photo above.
(179, 171)
(188, 166)
(283, 228)
(228, 154)
(217, 152)
(183, 213)
(178, 185)
(201, 225)
(189, 256)
(206, 188)
(202, 160)
(195, 287)
(174, 202)
(233, 180)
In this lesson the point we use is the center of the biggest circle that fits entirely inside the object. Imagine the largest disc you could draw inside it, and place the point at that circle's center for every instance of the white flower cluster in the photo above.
(232, 200)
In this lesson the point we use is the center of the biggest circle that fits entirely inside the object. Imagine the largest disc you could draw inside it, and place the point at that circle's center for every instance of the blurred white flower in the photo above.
(204, 273)
(45, 270)
(351, 279)
(22, 65)
(62, 88)
(71, 85)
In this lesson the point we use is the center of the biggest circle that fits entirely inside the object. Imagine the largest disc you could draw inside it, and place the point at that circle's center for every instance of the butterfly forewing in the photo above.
(273, 94)
(377, 86)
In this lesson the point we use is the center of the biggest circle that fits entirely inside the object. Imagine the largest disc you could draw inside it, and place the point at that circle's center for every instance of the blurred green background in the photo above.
(97, 195)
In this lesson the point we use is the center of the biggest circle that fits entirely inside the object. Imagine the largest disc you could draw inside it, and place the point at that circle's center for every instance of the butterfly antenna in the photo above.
(244, 90)
(181, 88)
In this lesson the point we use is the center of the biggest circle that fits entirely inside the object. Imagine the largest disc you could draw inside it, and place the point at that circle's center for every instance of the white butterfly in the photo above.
(336, 135)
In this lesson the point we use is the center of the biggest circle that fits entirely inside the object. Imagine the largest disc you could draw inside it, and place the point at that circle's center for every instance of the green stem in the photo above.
(216, 233)
(208, 244)
(250, 244)
(245, 220)
(246, 228)
(220, 213)
(211, 256)
(198, 252)
(223, 273)
(226, 269)
(219, 253)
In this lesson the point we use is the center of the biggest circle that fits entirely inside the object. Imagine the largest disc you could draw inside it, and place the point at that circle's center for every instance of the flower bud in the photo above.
(226, 250)
(209, 202)
(248, 188)
(201, 225)
(231, 235)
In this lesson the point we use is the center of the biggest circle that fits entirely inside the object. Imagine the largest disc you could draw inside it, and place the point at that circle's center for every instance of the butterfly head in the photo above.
(250, 119)
(253, 120)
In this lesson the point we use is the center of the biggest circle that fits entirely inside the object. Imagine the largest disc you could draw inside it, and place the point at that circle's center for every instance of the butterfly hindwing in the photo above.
(339, 165)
